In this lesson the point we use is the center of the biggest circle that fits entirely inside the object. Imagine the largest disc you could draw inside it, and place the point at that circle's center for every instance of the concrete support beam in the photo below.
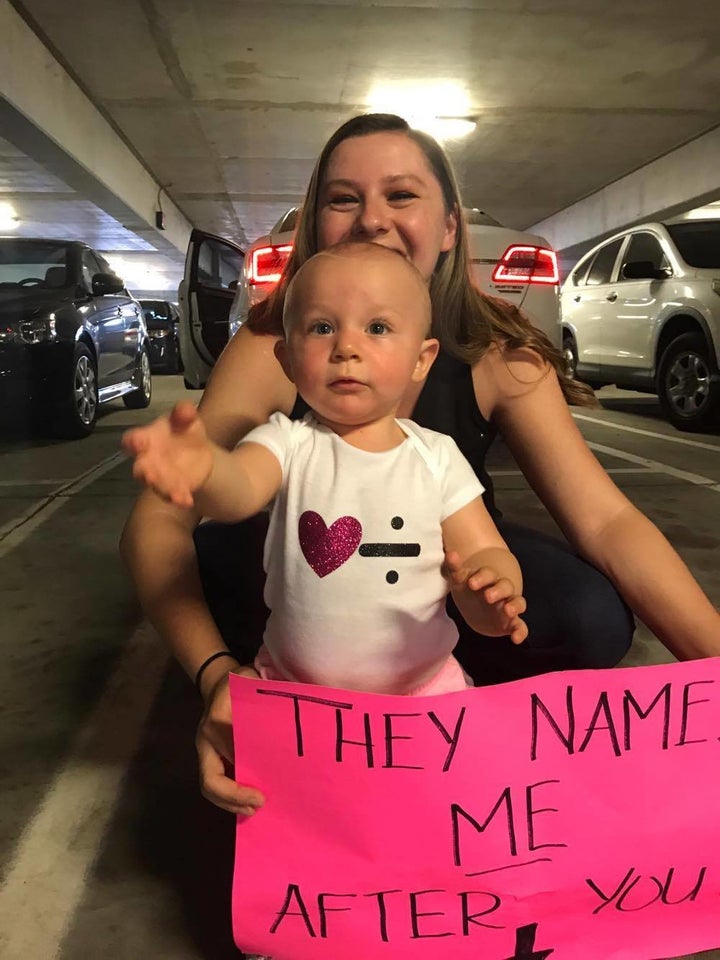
(681, 180)
(45, 115)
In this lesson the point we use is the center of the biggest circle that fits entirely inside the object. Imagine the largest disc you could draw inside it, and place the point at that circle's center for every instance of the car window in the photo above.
(218, 265)
(580, 272)
(698, 242)
(602, 266)
(89, 266)
(645, 247)
(21, 259)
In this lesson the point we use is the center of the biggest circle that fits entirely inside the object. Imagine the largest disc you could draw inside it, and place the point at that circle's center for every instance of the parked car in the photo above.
(71, 336)
(205, 295)
(642, 310)
(162, 320)
(517, 266)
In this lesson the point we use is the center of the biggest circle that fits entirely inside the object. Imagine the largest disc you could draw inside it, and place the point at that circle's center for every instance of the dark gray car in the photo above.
(162, 321)
(71, 337)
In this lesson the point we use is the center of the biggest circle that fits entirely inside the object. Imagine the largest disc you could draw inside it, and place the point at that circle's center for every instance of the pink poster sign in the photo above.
(574, 815)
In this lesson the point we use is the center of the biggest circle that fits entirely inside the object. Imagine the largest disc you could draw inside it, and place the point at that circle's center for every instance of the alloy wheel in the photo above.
(688, 383)
(85, 390)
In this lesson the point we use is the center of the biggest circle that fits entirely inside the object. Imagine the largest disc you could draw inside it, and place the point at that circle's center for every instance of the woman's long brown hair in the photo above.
(466, 321)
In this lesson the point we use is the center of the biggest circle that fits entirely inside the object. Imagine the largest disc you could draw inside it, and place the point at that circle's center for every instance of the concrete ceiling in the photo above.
(227, 103)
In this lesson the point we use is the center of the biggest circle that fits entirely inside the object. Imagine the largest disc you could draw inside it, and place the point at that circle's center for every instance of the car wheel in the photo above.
(569, 352)
(77, 413)
(140, 398)
(689, 397)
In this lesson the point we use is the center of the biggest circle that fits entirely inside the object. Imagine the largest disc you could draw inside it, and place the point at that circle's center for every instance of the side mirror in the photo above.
(643, 270)
(103, 283)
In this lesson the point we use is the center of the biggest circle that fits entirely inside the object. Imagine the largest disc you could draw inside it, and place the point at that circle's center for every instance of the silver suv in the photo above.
(642, 310)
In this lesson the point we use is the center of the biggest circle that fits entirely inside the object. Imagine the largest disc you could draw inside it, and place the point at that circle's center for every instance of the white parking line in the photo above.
(656, 467)
(13, 533)
(58, 847)
(670, 438)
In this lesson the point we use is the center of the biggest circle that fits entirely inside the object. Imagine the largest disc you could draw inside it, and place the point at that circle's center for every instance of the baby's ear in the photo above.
(428, 352)
(281, 354)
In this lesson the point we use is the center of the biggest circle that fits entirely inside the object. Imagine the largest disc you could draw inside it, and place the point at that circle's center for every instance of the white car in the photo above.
(642, 310)
(519, 267)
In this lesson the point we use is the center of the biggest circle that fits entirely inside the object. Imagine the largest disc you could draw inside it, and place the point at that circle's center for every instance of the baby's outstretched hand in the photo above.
(504, 605)
(172, 454)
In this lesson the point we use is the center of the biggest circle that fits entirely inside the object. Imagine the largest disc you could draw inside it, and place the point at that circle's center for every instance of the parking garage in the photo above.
(125, 129)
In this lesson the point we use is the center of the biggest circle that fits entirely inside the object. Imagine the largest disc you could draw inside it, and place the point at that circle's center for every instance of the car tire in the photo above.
(77, 412)
(140, 398)
(569, 352)
(689, 396)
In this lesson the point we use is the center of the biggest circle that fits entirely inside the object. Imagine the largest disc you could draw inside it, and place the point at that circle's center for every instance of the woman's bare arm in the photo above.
(524, 400)
(246, 387)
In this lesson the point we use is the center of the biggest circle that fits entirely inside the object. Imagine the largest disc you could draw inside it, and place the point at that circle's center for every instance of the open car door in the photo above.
(205, 295)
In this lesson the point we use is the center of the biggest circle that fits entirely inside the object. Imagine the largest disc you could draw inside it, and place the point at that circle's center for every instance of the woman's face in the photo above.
(379, 187)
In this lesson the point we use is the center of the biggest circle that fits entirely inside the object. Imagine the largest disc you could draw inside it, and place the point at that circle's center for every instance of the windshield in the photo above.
(698, 242)
(33, 263)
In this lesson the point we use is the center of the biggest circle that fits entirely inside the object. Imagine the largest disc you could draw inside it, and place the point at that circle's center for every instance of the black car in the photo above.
(71, 337)
(162, 321)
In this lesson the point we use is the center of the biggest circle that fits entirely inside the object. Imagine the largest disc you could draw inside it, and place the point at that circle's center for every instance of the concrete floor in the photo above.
(106, 846)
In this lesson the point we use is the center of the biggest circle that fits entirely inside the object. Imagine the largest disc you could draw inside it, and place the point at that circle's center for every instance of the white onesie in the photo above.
(353, 555)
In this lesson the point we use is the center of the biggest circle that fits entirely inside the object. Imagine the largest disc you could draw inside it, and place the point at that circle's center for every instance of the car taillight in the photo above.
(266, 263)
(527, 265)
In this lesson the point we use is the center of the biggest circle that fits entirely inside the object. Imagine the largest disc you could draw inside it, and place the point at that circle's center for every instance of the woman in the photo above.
(378, 180)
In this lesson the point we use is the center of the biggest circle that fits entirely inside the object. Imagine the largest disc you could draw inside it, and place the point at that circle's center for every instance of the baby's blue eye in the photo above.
(377, 327)
(322, 327)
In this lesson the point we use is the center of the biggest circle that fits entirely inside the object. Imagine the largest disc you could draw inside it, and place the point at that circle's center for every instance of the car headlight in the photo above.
(37, 330)
(158, 334)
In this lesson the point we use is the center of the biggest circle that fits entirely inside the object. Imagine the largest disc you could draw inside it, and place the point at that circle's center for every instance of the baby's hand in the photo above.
(504, 605)
(172, 454)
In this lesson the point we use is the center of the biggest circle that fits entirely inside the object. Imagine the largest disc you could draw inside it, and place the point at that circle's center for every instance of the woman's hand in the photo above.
(214, 743)
(497, 605)
(173, 454)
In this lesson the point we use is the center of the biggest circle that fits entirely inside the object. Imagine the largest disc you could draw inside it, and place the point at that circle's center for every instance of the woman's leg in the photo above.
(575, 616)
(230, 559)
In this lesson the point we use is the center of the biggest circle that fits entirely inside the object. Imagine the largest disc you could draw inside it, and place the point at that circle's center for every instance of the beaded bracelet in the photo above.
(206, 664)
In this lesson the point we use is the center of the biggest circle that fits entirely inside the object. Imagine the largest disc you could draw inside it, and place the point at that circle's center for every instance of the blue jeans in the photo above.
(576, 618)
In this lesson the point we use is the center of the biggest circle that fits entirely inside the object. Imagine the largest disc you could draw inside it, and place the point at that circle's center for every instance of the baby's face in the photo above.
(357, 329)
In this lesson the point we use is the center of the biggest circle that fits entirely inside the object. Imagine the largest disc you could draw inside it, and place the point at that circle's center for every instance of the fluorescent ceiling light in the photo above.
(699, 213)
(440, 108)
(447, 128)
(9, 219)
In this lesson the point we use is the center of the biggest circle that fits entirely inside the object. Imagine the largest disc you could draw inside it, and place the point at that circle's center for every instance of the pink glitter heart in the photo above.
(327, 548)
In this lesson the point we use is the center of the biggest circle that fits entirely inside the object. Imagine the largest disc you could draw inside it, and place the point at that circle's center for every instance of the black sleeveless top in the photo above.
(447, 404)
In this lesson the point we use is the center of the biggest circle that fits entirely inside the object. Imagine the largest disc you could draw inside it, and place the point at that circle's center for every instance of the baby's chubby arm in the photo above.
(175, 457)
(483, 575)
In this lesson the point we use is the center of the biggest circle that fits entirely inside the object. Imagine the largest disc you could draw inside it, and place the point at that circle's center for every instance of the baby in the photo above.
(372, 518)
